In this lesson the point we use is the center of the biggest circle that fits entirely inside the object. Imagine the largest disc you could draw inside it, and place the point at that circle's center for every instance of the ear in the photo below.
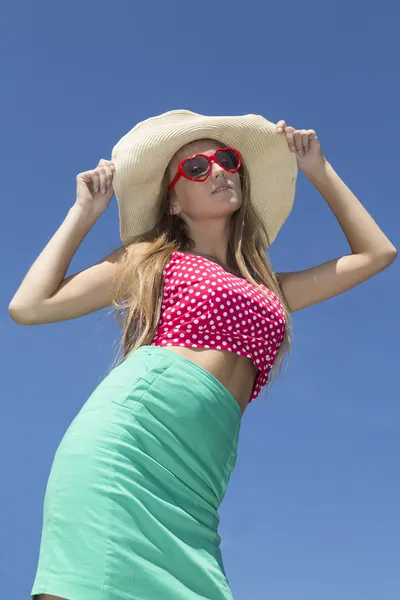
(175, 209)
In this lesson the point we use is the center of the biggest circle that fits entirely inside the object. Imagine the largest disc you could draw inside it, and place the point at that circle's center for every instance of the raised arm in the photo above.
(45, 295)
(372, 251)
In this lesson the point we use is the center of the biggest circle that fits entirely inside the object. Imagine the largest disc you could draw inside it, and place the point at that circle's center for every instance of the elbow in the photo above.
(390, 256)
(22, 315)
(384, 259)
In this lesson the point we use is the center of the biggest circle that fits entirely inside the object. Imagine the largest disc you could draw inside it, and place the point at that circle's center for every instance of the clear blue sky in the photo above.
(312, 510)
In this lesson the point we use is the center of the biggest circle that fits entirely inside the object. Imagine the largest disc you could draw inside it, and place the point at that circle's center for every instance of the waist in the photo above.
(235, 372)
(182, 417)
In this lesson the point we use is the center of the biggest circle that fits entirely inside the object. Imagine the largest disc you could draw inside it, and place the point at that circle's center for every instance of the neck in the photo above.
(224, 264)
(211, 241)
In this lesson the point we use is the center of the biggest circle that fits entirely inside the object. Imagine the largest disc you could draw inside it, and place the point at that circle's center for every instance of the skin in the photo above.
(207, 216)
(46, 295)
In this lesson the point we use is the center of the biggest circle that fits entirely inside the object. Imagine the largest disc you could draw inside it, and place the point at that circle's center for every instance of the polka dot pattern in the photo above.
(204, 306)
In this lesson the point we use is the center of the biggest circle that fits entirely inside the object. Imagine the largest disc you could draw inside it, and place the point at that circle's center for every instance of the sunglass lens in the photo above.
(196, 167)
(228, 159)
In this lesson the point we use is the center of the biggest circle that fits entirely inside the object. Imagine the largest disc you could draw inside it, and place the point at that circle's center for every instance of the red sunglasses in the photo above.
(198, 167)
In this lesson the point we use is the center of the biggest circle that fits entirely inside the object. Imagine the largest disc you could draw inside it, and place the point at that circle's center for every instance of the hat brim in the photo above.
(143, 154)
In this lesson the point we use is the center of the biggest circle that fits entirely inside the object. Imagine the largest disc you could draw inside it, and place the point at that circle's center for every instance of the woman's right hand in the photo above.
(94, 188)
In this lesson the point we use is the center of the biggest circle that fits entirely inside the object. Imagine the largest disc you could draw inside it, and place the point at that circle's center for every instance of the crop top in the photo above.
(204, 306)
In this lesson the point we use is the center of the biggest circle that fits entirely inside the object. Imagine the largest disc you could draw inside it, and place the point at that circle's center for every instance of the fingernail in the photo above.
(301, 153)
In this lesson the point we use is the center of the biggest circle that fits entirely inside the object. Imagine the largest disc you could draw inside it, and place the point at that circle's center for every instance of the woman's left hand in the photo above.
(306, 145)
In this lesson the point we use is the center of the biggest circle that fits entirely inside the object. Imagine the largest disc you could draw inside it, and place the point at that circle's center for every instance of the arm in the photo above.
(44, 295)
(372, 251)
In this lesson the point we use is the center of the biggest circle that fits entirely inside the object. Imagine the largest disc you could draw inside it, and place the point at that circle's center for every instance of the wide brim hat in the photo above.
(142, 155)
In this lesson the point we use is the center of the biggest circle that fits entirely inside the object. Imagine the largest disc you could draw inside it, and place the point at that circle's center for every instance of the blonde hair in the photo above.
(138, 285)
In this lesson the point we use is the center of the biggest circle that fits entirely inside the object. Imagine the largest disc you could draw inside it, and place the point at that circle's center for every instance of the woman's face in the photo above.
(201, 200)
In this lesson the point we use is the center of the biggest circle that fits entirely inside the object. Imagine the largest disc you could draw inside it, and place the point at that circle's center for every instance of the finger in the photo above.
(305, 140)
(109, 175)
(280, 126)
(106, 163)
(298, 142)
(290, 139)
(95, 181)
(86, 176)
(312, 135)
(103, 179)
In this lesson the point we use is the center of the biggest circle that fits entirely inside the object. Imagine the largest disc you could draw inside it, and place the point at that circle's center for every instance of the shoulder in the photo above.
(133, 250)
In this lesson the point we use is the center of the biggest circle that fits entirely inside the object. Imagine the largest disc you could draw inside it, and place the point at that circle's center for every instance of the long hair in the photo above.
(139, 278)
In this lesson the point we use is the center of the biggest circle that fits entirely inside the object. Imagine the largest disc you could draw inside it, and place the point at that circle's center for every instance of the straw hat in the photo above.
(143, 154)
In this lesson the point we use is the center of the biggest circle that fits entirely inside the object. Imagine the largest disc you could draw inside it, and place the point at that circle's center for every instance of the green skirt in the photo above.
(130, 510)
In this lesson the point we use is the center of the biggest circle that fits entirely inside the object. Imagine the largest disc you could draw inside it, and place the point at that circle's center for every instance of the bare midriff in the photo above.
(236, 373)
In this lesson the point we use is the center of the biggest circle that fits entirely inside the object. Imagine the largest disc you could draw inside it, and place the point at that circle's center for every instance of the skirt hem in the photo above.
(73, 590)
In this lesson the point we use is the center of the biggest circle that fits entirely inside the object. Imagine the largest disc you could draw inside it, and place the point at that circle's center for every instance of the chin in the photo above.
(228, 196)
(228, 209)
(233, 201)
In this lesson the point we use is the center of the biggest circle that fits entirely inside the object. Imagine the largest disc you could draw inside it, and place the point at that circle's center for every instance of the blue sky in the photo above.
(312, 510)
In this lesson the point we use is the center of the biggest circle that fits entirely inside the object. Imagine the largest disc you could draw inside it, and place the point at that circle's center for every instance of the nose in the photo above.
(217, 170)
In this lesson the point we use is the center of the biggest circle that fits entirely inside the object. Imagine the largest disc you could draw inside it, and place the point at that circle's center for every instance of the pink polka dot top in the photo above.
(204, 306)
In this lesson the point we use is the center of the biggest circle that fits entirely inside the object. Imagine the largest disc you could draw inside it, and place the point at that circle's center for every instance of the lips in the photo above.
(222, 187)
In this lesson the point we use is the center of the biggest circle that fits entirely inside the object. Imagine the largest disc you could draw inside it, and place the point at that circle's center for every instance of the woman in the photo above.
(131, 503)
